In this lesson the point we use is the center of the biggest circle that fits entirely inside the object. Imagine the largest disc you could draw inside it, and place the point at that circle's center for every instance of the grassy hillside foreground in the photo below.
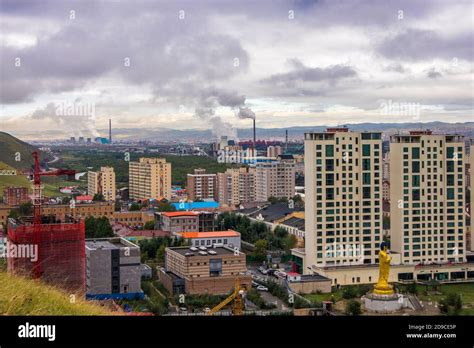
(20, 296)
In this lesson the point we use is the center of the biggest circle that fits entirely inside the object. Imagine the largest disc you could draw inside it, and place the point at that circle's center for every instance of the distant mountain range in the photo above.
(294, 133)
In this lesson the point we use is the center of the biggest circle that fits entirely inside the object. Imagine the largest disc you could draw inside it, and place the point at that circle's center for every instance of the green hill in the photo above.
(21, 296)
(10, 147)
(18, 180)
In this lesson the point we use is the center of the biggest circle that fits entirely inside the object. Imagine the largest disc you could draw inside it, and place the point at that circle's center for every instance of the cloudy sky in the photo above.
(213, 64)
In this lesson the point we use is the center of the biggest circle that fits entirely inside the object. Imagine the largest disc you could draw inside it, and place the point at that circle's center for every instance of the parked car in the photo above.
(280, 275)
(183, 309)
(262, 270)
(262, 288)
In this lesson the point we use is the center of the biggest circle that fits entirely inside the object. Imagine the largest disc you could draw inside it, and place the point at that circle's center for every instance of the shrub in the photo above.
(353, 308)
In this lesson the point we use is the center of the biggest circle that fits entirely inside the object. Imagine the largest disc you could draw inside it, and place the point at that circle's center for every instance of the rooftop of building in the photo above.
(195, 205)
(203, 251)
(330, 133)
(84, 198)
(213, 234)
(271, 212)
(415, 136)
(295, 222)
(109, 243)
(178, 213)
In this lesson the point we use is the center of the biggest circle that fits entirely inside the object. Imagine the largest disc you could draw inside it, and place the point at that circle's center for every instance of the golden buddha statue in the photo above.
(383, 287)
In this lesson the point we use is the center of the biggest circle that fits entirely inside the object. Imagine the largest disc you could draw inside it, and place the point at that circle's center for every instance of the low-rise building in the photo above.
(227, 238)
(133, 218)
(113, 269)
(177, 221)
(203, 270)
(78, 210)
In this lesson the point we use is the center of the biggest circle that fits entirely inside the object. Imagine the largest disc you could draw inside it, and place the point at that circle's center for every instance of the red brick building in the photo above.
(15, 195)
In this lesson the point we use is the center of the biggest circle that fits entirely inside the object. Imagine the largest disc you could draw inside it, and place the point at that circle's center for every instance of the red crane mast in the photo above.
(37, 201)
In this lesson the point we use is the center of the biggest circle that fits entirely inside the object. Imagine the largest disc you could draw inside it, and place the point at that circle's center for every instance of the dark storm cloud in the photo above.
(303, 74)
(433, 73)
(419, 44)
(163, 51)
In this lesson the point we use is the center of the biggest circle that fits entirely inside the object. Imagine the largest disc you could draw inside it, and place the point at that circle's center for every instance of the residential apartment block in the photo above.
(427, 197)
(201, 186)
(150, 178)
(343, 198)
(274, 151)
(275, 179)
(102, 182)
(15, 195)
(236, 186)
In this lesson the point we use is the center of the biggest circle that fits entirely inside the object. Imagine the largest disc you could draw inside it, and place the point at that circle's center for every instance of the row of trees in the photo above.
(154, 248)
(258, 233)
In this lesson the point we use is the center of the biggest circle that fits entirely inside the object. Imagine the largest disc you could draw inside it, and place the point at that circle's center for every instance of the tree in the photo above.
(149, 225)
(165, 206)
(412, 289)
(349, 292)
(160, 253)
(98, 197)
(260, 251)
(451, 304)
(134, 207)
(353, 308)
(118, 206)
(26, 209)
(98, 227)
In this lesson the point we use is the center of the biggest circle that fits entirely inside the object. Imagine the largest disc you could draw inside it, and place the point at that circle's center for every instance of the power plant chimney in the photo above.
(286, 141)
(254, 136)
(110, 131)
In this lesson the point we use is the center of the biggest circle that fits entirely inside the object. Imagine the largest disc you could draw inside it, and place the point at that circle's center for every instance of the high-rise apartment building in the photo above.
(150, 178)
(275, 179)
(274, 151)
(343, 198)
(236, 186)
(427, 197)
(201, 185)
(471, 160)
(102, 182)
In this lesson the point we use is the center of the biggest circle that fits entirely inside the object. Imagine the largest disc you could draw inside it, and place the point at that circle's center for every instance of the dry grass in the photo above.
(20, 296)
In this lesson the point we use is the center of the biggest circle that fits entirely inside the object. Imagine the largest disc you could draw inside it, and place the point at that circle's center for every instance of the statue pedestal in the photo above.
(384, 303)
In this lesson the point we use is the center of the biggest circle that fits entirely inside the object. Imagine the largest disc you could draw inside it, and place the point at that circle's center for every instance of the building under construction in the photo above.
(60, 251)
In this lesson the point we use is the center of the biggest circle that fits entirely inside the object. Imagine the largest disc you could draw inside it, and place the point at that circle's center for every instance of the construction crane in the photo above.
(37, 199)
(236, 296)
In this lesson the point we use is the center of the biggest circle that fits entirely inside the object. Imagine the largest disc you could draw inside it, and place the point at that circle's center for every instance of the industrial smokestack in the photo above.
(286, 141)
(110, 131)
(254, 136)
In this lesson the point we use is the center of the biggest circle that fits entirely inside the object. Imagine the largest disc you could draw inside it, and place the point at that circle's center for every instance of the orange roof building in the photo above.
(229, 238)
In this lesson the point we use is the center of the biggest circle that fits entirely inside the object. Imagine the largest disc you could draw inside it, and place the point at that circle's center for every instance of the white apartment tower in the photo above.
(427, 197)
(343, 198)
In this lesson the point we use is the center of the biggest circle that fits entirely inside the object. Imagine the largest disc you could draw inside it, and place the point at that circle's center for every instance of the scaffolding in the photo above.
(60, 258)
